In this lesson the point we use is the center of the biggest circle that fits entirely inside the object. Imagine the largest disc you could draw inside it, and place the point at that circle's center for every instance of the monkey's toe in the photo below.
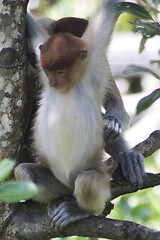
(65, 211)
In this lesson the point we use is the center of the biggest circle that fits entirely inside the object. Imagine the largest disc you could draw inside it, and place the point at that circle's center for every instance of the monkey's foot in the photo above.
(65, 211)
(112, 128)
(132, 166)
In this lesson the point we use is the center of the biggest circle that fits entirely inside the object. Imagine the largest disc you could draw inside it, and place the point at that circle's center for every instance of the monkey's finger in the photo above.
(58, 217)
(128, 158)
(109, 125)
(55, 214)
(110, 134)
(106, 122)
(122, 161)
(58, 209)
(62, 218)
(138, 168)
(138, 173)
(112, 129)
(141, 164)
(118, 128)
(131, 172)
(117, 131)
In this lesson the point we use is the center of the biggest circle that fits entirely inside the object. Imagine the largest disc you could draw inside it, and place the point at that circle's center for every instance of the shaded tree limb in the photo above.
(26, 225)
(117, 189)
(150, 145)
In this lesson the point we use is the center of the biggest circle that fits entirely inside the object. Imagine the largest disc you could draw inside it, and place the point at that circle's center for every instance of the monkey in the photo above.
(70, 133)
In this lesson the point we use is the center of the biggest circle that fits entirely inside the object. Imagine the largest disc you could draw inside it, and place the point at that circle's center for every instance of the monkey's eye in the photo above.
(40, 47)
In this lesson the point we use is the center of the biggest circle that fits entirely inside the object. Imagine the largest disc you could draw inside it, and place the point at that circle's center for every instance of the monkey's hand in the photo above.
(112, 128)
(65, 211)
(132, 167)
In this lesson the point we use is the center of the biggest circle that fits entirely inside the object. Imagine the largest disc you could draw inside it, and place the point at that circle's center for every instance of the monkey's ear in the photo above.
(82, 54)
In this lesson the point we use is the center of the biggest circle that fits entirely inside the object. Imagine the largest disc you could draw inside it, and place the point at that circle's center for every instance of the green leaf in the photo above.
(134, 9)
(148, 100)
(142, 44)
(148, 29)
(16, 191)
(133, 69)
(6, 167)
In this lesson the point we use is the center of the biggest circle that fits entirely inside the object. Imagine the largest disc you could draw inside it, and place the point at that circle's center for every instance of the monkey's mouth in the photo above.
(58, 83)
(53, 83)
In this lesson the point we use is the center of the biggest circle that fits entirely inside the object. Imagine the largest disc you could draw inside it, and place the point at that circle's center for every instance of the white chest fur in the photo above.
(67, 129)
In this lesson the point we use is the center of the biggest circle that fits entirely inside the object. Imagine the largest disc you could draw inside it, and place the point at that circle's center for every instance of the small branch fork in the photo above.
(26, 225)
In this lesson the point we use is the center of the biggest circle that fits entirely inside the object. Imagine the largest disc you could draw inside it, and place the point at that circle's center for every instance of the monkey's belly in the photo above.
(69, 138)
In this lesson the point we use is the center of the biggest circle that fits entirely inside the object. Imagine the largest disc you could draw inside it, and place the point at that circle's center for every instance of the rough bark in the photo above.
(150, 145)
(27, 227)
(15, 89)
(12, 75)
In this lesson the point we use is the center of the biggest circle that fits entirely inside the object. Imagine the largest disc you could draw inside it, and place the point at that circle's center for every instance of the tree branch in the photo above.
(38, 226)
(150, 145)
(119, 189)
(25, 225)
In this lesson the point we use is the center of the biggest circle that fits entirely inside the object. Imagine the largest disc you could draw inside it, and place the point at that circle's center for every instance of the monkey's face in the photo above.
(60, 55)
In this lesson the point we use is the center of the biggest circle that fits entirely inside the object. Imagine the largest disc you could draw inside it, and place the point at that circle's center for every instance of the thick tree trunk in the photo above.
(12, 75)
(13, 85)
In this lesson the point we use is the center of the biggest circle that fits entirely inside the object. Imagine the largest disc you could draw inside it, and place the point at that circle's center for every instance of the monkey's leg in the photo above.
(49, 187)
(92, 190)
(91, 193)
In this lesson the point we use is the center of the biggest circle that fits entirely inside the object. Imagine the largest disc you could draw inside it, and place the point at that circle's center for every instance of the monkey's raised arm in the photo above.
(100, 28)
(116, 118)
